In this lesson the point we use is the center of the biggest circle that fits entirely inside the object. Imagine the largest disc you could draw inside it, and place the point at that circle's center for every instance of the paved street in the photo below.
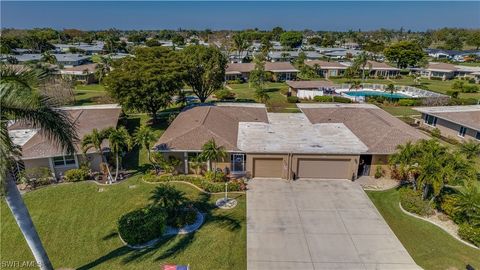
(318, 224)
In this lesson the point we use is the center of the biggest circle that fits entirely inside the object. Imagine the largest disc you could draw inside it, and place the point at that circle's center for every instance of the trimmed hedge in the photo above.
(142, 225)
(409, 102)
(292, 99)
(412, 202)
(337, 99)
(215, 177)
(469, 233)
(208, 186)
(76, 175)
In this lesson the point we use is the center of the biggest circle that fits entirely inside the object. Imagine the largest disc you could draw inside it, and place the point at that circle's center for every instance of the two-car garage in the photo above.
(293, 166)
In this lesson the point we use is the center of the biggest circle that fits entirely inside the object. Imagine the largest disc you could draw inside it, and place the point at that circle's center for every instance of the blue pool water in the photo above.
(366, 93)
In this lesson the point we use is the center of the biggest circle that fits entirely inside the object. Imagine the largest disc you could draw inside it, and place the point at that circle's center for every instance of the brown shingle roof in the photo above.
(326, 64)
(194, 126)
(441, 67)
(309, 84)
(377, 129)
(468, 116)
(379, 66)
(86, 118)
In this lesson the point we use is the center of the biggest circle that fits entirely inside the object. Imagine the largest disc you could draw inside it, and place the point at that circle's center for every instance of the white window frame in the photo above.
(434, 120)
(232, 161)
(65, 158)
(462, 131)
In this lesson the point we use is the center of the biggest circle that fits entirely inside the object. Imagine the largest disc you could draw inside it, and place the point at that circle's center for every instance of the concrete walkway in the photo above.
(318, 224)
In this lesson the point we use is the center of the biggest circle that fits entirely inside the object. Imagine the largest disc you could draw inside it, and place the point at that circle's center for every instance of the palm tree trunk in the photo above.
(22, 217)
(108, 168)
(116, 169)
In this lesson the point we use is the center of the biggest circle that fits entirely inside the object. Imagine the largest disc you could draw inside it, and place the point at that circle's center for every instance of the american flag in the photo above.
(175, 267)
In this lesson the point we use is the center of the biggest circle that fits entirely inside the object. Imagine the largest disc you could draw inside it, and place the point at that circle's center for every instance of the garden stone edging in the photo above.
(193, 185)
(170, 231)
(439, 226)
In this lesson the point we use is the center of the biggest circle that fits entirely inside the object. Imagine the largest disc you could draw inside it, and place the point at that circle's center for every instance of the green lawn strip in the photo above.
(277, 103)
(400, 110)
(90, 87)
(78, 226)
(430, 246)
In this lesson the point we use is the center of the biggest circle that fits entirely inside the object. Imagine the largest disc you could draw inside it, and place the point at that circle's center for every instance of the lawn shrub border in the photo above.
(427, 220)
(198, 182)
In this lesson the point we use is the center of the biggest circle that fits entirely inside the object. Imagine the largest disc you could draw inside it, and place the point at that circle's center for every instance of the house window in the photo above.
(237, 163)
(462, 131)
(478, 136)
(63, 161)
(431, 120)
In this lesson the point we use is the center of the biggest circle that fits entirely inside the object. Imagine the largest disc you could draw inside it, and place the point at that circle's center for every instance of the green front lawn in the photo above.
(278, 101)
(400, 110)
(78, 226)
(90, 94)
(430, 246)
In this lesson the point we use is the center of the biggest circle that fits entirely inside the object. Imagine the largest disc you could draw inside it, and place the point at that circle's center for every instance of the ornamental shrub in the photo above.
(183, 218)
(142, 225)
(76, 175)
(337, 99)
(412, 202)
(215, 177)
(409, 102)
(448, 205)
(470, 233)
(224, 94)
(292, 99)
(209, 186)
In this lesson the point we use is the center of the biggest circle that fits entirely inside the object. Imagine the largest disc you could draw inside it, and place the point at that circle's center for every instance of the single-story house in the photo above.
(327, 69)
(461, 122)
(325, 141)
(443, 71)
(66, 59)
(83, 73)
(341, 53)
(39, 151)
(377, 69)
(279, 56)
(88, 48)
(309, 89)
(281, 71)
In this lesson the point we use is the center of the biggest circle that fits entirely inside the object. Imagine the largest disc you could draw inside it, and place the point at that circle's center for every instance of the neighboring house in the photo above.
(459, 56)
(461, 122)
(351, 45)
(39, 151)
(87, 48)
(66, 59)
(326, 141)
(83, 73)
(281, 71)
(341, 54)
(282, 56)
(446, 71)
(237, 57)
(327, 69)
(309, 89)
(377, 69)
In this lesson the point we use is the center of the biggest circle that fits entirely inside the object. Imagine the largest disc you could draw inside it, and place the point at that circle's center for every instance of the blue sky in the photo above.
(324, 15)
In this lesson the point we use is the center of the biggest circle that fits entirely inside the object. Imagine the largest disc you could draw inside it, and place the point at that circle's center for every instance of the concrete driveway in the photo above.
(318, 224)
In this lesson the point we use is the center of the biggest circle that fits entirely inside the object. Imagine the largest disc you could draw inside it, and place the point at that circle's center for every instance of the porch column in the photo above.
(52, 168)
(185, 162)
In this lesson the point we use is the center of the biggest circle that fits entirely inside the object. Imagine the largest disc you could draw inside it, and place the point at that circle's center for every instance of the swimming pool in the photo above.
(366, 93)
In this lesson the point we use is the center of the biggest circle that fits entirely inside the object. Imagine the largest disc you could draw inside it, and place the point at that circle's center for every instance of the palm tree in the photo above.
(404, 160)
(240, 44)
(47, 57)
(213, 152)
(469, 202)
(390, 88)
(20, 101)
(356, 85)
(470, 149)
(103, 68)
(144, 136)
(119, 140)
(262, 96)
(94, 140)
(361, 61)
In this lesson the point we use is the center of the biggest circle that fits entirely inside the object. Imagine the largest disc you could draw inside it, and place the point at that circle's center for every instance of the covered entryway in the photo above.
(268, 167)
(323, 168)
